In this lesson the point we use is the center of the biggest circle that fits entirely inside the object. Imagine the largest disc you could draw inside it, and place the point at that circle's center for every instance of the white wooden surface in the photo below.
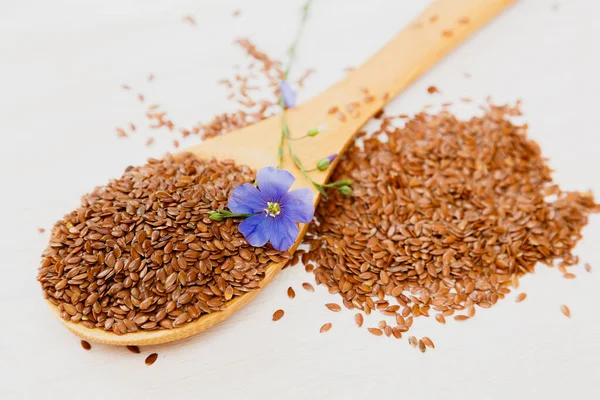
(61, 64)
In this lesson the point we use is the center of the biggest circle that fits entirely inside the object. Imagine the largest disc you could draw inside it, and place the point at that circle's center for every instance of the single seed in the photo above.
(277, 315)
(422, 347)
(521, 297)
(151, 359)
(412, 341)
(428, 342)
(325, 327)
(290, 292)
(440, 318)
(308, 287)
(569, 275)
(358, 319)
(333, 307)
(565, 310)
(588, 267)
(375, 331)
(134, 349)
(86, 345)
(461, 317)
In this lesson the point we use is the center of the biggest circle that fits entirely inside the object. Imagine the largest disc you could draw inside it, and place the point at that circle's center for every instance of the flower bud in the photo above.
(313, 132)
(345, 190)
(323, 164)
(215, 215)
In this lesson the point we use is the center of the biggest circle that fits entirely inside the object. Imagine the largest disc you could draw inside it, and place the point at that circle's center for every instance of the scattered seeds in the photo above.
(565, 310)
(277, 315)
(406, 239)
(86, 345)
(290, 292)
(325, 327)
(333, 307)
(151, 359)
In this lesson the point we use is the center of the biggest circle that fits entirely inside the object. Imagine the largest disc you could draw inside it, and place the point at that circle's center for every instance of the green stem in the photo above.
(292, 56)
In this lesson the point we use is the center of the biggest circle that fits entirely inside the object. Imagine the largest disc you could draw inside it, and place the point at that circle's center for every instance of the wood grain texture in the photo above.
(432, 35)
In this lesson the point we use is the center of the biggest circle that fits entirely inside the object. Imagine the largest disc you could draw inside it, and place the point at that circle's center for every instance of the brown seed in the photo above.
(588, 267)
(308, 287)
(333, 307)
(151, 359)
(440, 318)
(86, 345)
(569, 275)
(428, 342)
(412, 341)
(325, 327)
(277, 315)
(432, 90)
(375, 331)
(358, 319)
(422, 347)
(134, 349)
(521, 297)
(565, 310)
(461, 317)
(290, 292)
(41, 230)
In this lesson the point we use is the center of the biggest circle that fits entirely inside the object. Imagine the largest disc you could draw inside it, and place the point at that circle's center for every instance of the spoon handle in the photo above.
(432, 35)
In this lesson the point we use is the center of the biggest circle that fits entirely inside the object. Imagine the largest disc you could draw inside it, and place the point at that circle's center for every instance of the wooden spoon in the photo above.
(432, 35)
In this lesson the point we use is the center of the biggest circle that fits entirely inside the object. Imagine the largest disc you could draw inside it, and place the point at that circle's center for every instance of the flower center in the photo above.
(272, 209)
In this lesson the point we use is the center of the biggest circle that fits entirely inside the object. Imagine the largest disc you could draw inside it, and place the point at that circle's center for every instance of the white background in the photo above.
(61, 64)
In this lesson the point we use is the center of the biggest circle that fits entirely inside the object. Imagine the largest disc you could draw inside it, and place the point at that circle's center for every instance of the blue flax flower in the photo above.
(275, 210)
(288, 94)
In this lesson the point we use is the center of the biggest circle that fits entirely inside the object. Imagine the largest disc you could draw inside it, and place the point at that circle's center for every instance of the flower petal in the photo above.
(298, 206)
(288, 94)
(284, 232)
(246, 199)
(274, 183)
(257, 229)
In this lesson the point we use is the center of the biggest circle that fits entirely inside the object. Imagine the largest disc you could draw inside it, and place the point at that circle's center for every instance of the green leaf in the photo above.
(320, 189)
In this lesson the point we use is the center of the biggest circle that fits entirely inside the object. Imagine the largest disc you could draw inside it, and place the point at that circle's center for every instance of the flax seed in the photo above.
(277, 315)
(375, 331)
